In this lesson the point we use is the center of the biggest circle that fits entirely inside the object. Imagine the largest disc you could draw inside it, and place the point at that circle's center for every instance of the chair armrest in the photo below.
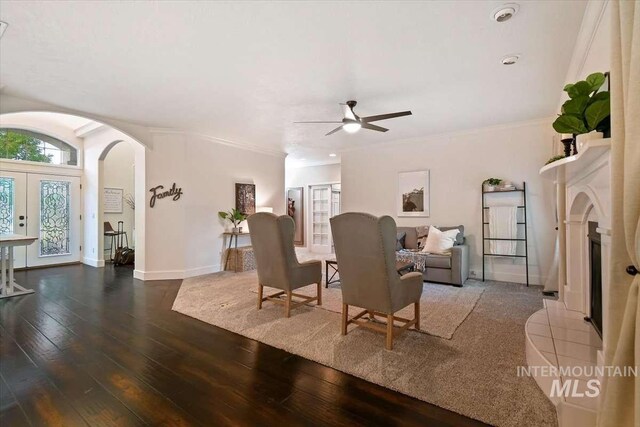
(459, 264)
(306, 273)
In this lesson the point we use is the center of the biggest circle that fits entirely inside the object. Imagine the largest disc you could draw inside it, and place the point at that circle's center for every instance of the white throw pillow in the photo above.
(440, 242)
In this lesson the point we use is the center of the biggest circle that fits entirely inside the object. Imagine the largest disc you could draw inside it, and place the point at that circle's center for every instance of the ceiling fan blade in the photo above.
(373, 127)
(385, 116)
(317, 122)
(335, 130)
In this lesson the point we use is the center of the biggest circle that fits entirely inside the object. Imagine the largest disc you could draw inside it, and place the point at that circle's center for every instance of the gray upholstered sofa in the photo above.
(451, 269)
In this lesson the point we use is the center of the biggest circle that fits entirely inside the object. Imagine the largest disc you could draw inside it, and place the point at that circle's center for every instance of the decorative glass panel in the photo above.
(7, 205)
(54, 217)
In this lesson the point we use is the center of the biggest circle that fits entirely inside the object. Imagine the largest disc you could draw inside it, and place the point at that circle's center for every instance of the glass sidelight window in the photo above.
(54, 217)
(7, 204)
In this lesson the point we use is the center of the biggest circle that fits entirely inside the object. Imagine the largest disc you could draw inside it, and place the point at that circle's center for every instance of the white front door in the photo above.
(320, 214)
(53, 213)
(42, 206)
(13, 210)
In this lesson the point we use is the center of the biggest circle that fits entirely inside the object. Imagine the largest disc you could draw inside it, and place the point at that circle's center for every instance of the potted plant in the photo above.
(235, 216)
(491, 184)
(587, 110)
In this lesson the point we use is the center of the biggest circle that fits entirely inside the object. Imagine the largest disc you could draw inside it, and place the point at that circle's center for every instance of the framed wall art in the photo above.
(413, 194)
(246, 198)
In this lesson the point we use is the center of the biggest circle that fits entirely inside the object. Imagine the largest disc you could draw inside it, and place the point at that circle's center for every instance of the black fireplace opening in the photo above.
(595, 276)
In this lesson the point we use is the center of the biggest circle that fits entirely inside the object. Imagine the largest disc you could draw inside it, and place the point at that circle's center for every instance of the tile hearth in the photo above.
(562, 338)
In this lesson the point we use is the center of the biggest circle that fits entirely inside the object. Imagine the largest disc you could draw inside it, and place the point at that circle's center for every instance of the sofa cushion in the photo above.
(400, 236)
(411, 237)
(438, 261)
(439, 242)
(460, 235)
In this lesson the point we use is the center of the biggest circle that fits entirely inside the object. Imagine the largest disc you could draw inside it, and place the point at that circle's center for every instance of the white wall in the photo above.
(307, 176)
(458, 164)
(119, 171)
(214, 169)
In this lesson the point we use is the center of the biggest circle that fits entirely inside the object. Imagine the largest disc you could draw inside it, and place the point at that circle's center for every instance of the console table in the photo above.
(8, 287)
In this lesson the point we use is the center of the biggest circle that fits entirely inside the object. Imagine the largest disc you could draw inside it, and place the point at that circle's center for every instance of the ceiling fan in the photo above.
(352, 123)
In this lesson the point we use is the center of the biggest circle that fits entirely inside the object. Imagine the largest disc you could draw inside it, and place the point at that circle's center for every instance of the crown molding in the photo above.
(314, 163)
(222, 141)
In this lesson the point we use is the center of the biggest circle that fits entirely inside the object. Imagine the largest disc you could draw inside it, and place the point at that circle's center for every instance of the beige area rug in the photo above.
(474, 373)
(442, 308)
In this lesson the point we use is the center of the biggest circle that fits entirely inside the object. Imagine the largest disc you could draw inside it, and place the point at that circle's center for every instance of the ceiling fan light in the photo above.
(352, 127)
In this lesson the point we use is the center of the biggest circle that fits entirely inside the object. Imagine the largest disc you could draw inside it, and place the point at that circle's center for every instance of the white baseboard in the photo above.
(93, 262)
(499, 276)
(175, 274)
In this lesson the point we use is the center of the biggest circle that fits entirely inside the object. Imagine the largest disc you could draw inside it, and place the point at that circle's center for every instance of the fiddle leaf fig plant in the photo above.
(587, 109)
(234, 215)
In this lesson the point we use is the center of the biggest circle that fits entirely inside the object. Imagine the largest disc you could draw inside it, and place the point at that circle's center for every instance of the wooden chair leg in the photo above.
(287, 305)
(417, 315)
(371, 316)
(345, 315)
(260, 290)
(389, 331)
(320, 292)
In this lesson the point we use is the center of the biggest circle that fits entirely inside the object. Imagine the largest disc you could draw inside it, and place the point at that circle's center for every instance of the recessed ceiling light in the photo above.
(332, 155)
(302, 160)
(504, 12)
(3, 27)
(510, 59)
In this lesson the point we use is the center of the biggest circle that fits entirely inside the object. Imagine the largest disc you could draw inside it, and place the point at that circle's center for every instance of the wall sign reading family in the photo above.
(158, 192)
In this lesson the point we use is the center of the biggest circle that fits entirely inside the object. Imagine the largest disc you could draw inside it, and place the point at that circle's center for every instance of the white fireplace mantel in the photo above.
(583, 190)
(573, 166)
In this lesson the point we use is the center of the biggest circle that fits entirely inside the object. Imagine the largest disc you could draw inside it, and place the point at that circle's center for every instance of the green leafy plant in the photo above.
(234, 215)
(587, 109)
(554, 158)
(492, 181)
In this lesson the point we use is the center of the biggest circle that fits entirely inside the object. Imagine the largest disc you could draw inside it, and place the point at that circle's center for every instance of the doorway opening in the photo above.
(314, 192)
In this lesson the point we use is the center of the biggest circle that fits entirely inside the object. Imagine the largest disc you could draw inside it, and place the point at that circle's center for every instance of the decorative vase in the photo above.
(235, 230)
(489, 188)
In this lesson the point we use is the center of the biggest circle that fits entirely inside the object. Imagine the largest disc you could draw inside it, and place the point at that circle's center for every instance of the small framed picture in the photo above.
(246, 198)
(413, 194)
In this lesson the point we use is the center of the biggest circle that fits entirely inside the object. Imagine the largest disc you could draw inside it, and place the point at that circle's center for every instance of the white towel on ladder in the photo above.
(503, 224)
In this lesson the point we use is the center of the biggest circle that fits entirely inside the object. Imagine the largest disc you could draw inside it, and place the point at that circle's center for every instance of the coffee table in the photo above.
(402, 267)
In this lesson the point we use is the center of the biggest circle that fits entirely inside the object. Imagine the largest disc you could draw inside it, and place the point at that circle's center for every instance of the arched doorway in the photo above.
(92, 141)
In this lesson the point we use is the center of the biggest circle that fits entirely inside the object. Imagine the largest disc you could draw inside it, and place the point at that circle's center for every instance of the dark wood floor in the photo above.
(96, 347)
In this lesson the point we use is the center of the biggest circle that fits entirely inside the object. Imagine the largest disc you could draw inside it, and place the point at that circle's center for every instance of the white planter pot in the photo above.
(585, 137)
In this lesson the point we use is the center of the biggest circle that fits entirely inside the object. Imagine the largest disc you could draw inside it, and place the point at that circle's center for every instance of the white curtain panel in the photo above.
(621, 395)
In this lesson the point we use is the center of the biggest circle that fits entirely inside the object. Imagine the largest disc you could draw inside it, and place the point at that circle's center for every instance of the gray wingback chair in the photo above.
(278, 266)
(366, 253)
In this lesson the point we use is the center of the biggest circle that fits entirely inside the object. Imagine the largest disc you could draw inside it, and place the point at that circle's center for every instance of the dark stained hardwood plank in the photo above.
(101, 330)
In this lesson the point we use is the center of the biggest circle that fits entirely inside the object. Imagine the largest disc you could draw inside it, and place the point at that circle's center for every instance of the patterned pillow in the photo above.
(400, 240)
